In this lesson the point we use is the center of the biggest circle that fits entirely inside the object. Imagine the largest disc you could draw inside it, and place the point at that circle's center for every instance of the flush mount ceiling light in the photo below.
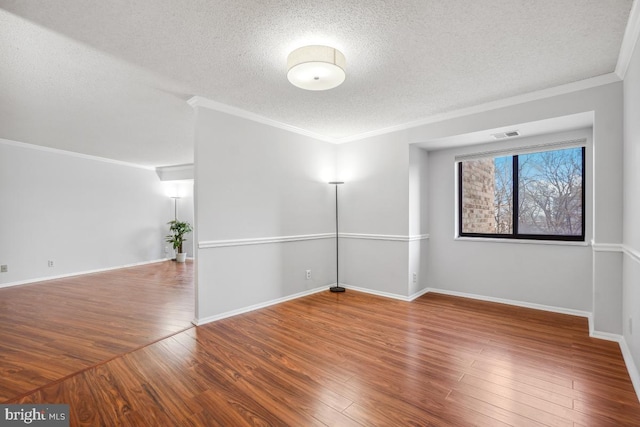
(316, 67)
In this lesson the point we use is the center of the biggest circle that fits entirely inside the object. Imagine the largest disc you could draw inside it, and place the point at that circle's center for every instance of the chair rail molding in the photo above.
(210, 244)
(616, 247)
(391, 237)
(262, 240)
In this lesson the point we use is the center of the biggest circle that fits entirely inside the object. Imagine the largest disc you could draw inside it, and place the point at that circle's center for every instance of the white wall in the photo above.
(253, 182)
(631, 259)
(82, 213)
(557, 275)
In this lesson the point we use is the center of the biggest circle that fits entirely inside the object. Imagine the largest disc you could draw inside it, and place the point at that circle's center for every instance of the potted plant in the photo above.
(178, 229)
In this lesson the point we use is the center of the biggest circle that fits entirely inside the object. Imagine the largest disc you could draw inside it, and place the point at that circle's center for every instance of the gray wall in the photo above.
(82, 213)
(631, 259)
(606, 104)
(374, 216)
(260, 182)
(256, 182)
(418, 218)
(557, 275)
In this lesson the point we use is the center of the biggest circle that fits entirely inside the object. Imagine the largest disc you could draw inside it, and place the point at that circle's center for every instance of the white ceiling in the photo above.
(111, 78)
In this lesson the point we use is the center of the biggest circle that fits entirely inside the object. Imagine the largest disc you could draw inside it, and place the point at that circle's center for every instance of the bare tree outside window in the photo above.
(503, 198)
(550, 192)
(547, 185)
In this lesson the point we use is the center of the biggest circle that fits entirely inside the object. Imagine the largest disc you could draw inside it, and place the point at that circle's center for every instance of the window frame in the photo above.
(515, 235)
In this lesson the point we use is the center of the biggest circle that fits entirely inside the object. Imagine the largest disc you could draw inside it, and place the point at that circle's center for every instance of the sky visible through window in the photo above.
(547, 195)
(550, 192)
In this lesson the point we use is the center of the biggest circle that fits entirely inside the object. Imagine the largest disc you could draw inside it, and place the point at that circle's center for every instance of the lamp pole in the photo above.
(337, 287)
(175, 207)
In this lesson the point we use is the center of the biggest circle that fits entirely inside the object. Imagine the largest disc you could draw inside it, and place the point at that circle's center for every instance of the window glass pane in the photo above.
(486, 203)
(550, 192)
(503, 199)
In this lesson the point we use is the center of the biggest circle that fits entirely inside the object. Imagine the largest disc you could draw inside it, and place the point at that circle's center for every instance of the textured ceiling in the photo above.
(110, 78)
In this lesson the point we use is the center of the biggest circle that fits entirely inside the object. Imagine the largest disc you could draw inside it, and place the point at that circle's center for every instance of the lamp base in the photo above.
(337, 289)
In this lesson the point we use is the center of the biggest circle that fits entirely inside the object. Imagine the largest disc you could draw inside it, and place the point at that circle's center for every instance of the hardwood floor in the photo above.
(354, 359)
(50, 330)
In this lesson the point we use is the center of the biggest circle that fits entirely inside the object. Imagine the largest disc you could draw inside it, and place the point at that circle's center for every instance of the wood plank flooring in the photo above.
(50, 330)
(354, 359)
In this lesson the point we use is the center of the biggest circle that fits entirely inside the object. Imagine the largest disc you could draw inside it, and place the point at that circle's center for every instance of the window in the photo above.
(536, 194)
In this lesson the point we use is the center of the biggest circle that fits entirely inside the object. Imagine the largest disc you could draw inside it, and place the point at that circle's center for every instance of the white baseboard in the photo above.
(378, 293)
(542, 307)
(418, 294)
(634, 373)
(632, 369)
(80, 273)
(209, 319)
(388, 294)
(607, 336)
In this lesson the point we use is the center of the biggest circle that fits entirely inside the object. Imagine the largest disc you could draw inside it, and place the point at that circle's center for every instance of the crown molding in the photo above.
(604, 79)
(589, 83)
(629, 41)
(176, 168)
(176, 173)
(72, 154)
(199, 101)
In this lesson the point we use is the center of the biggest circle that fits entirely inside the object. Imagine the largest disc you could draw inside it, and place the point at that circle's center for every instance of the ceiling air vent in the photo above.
(509, 134)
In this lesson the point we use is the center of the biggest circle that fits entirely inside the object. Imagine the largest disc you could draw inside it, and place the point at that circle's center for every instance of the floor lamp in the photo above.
(175, 207)
(337, 287)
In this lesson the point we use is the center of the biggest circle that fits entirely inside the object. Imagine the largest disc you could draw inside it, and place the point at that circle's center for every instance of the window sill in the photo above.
(523, 241)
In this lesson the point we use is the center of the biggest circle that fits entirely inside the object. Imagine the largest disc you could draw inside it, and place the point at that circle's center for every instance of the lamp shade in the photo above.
(316, 67)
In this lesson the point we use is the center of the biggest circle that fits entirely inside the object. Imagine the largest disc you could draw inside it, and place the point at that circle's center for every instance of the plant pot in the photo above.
(181, 257)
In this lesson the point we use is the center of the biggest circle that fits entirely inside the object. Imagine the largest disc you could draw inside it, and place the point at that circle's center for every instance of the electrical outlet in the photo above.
(415, 277)
(166, 250)
(50, 263)
(4, 268)
(308, 274)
